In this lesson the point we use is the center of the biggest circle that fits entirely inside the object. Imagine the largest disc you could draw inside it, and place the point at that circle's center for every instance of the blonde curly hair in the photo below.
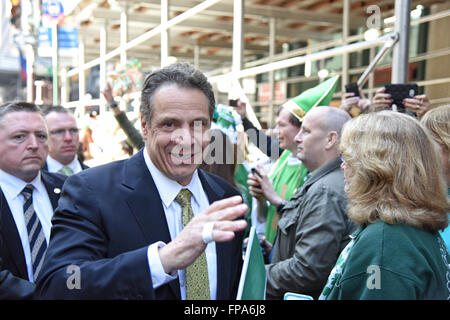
(437, 120)
(395, 172)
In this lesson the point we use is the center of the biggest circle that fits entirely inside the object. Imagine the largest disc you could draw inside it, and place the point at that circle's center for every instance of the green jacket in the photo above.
(393, 262)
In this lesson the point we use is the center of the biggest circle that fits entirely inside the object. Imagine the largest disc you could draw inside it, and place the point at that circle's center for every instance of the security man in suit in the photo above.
(28, 198)
(153, 226)
(63, 141)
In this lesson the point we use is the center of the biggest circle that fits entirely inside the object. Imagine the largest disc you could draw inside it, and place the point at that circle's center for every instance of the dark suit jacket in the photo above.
(12, 259)
(107, 217)
(14, 288)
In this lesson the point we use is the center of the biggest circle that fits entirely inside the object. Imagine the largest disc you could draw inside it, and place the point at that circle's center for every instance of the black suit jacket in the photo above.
(12, 258)
(107, 217)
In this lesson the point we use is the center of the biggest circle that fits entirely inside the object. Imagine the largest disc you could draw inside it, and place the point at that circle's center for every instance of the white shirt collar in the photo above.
(13, 186)
(54, 165)
(168, 189)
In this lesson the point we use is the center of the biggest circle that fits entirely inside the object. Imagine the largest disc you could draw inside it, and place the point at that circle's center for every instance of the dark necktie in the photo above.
(36, 237)
(197, 283)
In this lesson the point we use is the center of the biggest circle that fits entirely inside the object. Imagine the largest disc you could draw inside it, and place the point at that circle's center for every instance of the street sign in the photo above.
(67, 42)
(67, 37)
(53, 10)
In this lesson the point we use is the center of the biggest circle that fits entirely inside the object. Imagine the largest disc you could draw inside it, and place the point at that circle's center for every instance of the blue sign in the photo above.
(67, 37)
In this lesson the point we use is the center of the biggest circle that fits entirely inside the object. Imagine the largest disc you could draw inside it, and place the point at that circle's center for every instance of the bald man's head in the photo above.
(318, 138)
(331, 119)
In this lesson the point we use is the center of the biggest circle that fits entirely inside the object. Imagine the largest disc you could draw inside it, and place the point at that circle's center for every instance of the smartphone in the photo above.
(352, 87)
(233, 102)
(399, 92)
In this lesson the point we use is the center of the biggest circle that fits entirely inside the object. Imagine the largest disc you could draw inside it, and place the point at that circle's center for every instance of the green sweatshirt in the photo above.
(391, 262)
(133, 135)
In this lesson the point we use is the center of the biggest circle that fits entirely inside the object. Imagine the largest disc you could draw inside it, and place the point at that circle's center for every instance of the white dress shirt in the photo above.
(12, 188)
(168, 190)
(54, 166)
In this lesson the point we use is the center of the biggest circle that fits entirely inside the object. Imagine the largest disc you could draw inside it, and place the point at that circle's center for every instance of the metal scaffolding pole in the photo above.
(64, 86)
(238, 35)
(55, 62)
(165, 51)
(145, 36)
(123, 34)
(102, 80)
(81, 79)
(317, 56)
(400, 57)
(345, 34)
(30, 76)
(197, 56)
(272, 35)
(373, 62)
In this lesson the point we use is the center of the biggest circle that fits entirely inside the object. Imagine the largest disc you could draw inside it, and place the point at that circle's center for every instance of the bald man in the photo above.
(313, 227)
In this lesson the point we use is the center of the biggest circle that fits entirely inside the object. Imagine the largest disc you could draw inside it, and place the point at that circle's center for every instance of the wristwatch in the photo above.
(281, 205)
(112, 104)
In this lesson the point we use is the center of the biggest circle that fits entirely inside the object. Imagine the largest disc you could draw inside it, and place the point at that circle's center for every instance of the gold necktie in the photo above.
(197, 282)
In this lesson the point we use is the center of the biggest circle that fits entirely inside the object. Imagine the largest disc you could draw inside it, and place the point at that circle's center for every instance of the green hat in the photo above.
(319, 95)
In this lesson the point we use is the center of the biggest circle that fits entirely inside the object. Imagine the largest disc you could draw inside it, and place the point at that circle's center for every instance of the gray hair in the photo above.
(182, 74)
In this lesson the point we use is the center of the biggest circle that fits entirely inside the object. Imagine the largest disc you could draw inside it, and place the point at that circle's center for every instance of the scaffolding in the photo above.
(239, 69)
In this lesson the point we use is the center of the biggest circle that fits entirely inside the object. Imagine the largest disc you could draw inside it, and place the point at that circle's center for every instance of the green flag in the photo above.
(252, 285)
(286, 177)
(240, 178)
(319, 95)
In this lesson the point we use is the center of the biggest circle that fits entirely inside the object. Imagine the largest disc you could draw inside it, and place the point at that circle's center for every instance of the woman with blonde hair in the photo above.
(398, 197)
(437, 121)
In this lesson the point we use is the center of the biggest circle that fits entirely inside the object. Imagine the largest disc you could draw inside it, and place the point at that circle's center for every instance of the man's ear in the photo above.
(144, 127)
(333, 140)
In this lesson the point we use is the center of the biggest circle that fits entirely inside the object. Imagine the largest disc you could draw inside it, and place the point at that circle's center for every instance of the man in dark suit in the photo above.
(23, 150)
(63, 141)
(120, 232)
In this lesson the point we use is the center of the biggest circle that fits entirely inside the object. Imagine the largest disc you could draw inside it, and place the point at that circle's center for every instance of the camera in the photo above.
(399, 92)
(352, 87)
(233, 102)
